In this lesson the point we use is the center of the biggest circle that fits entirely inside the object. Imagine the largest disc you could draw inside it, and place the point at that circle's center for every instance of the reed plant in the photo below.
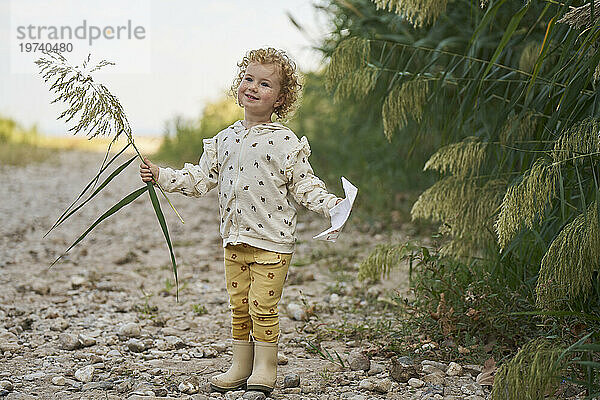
(95, 112)
(508, 91)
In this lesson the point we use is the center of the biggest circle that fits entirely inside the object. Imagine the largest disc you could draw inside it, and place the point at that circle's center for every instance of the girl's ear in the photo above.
(279, 101)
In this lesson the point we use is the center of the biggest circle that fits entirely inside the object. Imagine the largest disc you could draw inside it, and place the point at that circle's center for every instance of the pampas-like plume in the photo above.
(349, 56)
(531, 373)
(583, 138)
(417, 12)
(101, 112)
(459, 159)
(568, 265)
(517, 128)
(357, 84)
(404, 101)
(465, 209)
(581, 17)
(525, 202)
(381, 261)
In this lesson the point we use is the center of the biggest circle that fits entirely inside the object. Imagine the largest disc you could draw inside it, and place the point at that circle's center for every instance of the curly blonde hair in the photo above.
(291, 87)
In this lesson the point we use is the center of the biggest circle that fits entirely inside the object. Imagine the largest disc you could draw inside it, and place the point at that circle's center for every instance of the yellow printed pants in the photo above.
(255, 279)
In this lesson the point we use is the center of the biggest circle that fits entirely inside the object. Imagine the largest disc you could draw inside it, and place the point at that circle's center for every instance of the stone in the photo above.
(473, 369)
(416, 383)
(402, 369)
(69, 342)
(40, 287)
(234, 395)
(441, 366)
(174, 342)
(187, 387)
(86, 341)
(34, 376)
(20, 396)
(291, 380)
(375, 369)
(6, 385)
(297, 312)
(430, 369)
(209, 353)
(281, 359)
(113, 353)
(358, 361)
(85, 374)
(11, 347)
(435, 390)
(58, 380)
(219, 347)
(130, 329)
(435, 378)
(253, 395)
(77, 281)
(59, 324)
(366, 384)
(136, 345)
(382, 385)
(469, 388)
(454, 369)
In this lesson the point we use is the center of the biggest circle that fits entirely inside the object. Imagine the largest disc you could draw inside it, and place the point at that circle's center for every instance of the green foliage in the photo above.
(13, 132)
(183, 138)
(19, 146)
(199, 309)
(511, 108)
(521, 93)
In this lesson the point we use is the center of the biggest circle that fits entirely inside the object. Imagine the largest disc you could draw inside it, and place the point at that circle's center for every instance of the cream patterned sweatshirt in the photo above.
(254, 170)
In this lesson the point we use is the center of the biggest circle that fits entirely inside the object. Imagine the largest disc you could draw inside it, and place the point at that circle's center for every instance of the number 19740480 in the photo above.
(35, 46)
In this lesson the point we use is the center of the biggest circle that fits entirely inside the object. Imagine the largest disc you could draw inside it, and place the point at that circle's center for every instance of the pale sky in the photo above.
(194, 46)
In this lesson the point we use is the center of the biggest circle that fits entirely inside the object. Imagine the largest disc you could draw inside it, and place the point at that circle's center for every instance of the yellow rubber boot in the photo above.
(264, 370)
(241, 368)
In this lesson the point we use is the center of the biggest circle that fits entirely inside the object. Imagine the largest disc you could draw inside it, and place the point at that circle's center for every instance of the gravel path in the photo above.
(103, 323)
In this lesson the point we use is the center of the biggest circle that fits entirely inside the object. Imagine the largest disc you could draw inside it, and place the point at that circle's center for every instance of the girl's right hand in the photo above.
(148, 171)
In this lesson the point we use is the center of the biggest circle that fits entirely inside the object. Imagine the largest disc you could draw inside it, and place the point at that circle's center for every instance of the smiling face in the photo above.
(259, 91)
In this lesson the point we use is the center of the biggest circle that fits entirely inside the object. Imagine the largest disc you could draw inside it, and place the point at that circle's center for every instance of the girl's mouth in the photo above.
(251, 97)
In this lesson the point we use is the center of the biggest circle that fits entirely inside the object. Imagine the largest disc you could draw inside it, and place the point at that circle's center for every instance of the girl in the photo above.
(255, 164)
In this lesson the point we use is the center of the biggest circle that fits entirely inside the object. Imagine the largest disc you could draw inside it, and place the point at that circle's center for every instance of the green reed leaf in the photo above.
(106, 181)
(126, 200)
(163, 225)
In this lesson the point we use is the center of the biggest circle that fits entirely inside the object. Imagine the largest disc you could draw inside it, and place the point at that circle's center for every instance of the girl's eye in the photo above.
(265, 84)
(249, 79)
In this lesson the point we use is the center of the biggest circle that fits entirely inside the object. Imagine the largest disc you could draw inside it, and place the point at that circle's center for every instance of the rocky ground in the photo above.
(104, 323)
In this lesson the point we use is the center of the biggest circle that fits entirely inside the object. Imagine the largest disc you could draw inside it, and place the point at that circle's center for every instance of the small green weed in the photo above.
(199, 309)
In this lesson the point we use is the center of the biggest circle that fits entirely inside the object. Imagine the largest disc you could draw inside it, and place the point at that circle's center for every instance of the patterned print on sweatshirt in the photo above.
(256, 171)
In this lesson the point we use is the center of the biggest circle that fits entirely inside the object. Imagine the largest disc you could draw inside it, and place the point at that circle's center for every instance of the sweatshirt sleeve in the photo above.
(193, 179)
(305, 187)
